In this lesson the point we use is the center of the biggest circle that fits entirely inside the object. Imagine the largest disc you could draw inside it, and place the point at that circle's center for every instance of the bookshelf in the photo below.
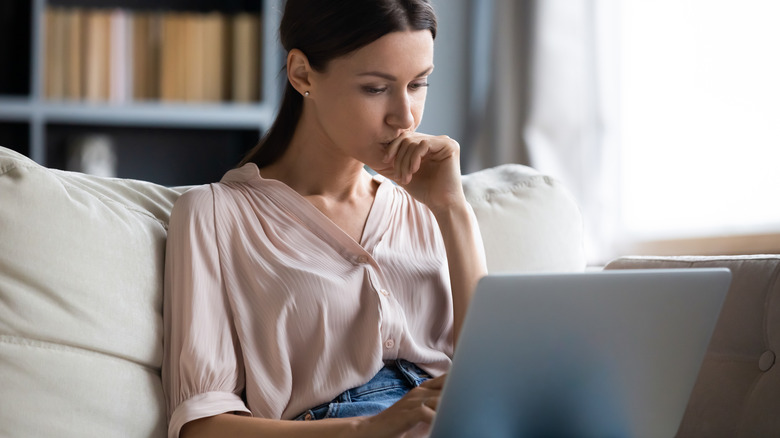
(184, 132)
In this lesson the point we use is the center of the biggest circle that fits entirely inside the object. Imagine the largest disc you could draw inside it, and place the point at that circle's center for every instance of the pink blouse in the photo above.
(271, 309)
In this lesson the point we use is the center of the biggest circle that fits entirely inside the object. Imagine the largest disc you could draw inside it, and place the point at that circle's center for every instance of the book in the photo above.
(97, 59)
(194, 58)
(173, 57)
(120, 56)
(146, 55)
(246, 57)
(168, 62)
(215, 57)
(153, 43)
(74, 54)
(141, 54)
(55, 19)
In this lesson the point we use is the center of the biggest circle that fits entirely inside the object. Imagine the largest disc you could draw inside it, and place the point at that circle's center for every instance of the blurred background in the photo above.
(660, 116)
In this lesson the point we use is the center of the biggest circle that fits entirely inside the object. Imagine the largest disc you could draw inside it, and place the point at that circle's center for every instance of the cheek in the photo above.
(338, 113)
(418, 107)
(349, 120)
(364, 114)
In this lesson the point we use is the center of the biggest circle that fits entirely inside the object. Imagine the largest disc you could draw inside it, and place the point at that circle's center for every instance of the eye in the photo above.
(419, 85)
(374, 90)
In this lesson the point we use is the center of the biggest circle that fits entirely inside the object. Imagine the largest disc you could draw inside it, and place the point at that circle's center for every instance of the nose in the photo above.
(400, 114)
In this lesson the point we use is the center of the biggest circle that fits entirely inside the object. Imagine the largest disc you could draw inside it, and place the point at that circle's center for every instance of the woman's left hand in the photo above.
(427, 166)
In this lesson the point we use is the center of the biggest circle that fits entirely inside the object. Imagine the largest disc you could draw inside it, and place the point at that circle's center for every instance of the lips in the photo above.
(387, 143)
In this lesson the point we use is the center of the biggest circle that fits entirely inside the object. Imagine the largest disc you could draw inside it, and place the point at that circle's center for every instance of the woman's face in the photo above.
(364, 100)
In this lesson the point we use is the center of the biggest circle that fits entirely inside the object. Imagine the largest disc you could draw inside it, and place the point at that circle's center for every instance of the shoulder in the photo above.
(196, 199)
(205, 202)
(195, 206)
(203, 198)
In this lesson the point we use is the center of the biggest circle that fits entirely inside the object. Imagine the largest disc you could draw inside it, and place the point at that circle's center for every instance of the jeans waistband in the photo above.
(396, 373)
(394, 380)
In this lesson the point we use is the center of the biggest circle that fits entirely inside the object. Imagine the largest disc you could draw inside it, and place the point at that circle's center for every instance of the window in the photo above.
(700, 118)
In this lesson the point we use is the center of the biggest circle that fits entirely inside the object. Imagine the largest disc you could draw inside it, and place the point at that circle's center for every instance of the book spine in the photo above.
(118, 57)
(245, 57)
(75, 55)
(56, 22)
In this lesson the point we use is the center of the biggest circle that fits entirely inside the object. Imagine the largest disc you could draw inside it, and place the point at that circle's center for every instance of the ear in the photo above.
(299, 71)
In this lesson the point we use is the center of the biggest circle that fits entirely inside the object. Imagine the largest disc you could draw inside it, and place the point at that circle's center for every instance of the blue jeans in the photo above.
(390, 384)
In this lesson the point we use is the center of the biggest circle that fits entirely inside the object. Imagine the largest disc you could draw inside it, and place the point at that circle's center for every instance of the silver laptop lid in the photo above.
(597, 354)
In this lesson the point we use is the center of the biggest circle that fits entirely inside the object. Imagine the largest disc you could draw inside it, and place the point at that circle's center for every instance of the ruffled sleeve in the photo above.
(203, 372)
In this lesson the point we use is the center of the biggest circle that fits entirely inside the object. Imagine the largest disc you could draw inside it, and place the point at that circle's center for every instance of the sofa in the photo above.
(81, 269)
(81, 266)
(737, 390)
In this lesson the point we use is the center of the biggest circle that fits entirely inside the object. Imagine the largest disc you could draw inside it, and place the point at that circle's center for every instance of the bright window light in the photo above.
(700, 126)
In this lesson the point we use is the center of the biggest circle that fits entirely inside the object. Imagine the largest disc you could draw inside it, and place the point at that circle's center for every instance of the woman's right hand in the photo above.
(411, 416)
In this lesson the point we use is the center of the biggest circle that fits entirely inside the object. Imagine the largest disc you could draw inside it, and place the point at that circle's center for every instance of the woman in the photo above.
(301, 286)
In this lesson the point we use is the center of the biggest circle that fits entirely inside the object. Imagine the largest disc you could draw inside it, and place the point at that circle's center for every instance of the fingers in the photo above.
(435, 383)
(408, 160)
(421, 407)
(415, 411)
(407, 153)
(396, 152)
(417, 407)
(392, 148)
(427, 395)
(433, 404)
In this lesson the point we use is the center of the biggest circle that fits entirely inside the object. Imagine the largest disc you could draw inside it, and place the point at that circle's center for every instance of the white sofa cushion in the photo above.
(529, 221)
(81, 263)
(81, 266)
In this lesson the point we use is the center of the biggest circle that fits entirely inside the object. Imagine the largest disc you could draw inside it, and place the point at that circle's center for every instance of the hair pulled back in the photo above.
(327, 29)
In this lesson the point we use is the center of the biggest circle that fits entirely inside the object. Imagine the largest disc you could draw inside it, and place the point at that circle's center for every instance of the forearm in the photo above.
(242, 426)
(464, 256)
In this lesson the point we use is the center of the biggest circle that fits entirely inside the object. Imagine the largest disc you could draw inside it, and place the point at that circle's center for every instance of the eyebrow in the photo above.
(390, 77)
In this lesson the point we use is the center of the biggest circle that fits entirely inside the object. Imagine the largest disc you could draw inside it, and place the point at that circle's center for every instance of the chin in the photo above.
(375, 167)
(375, 162)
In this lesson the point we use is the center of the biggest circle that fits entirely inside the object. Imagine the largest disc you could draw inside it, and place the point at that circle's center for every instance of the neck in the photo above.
(313, 168)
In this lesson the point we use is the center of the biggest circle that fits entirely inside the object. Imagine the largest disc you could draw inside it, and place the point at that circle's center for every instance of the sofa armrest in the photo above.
(737, 392)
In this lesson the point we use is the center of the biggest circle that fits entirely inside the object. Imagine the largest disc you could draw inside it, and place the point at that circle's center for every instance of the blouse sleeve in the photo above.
(203, 373)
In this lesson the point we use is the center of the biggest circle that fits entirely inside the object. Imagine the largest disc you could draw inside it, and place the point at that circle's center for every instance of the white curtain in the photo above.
(552, 103)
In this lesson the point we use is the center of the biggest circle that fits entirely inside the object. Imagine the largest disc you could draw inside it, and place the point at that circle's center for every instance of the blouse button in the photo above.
(362, 259)
(766, 361)
(385, 292)
(389, 344)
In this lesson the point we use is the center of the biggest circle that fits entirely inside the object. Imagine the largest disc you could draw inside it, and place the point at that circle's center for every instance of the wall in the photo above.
(445, 110)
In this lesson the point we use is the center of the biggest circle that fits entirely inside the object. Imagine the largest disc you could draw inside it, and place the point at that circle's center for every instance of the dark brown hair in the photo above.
(327, 29)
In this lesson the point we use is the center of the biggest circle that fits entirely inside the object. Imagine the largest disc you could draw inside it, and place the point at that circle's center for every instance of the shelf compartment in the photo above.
(168, 156)
(15, 35)
(15, 136)
(122, 55)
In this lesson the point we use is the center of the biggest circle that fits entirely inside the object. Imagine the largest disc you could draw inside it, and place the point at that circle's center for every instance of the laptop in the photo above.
(597, 354)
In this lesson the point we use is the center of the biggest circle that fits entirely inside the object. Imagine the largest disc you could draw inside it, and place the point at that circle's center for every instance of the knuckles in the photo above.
(411, 139)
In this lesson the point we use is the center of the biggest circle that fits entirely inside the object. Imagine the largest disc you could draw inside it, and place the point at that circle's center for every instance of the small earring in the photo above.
(306, 93)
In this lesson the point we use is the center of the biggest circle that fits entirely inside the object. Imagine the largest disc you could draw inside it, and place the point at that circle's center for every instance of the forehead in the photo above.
(393, 53)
